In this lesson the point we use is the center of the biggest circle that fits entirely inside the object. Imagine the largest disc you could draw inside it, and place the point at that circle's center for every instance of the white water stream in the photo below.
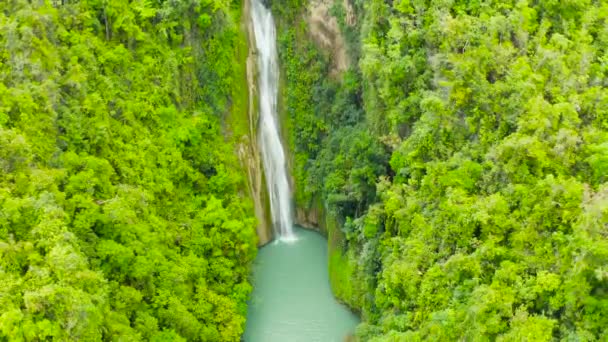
(273, 154)
(292, 299)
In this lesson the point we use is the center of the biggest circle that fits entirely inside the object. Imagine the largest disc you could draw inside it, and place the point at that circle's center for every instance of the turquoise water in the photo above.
(292, 299)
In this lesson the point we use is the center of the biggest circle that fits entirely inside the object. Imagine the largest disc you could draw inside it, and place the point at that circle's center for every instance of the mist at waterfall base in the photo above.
(292, 300)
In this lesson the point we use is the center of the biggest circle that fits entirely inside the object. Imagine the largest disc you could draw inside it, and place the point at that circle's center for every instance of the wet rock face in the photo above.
(311, 218)
(307, 218)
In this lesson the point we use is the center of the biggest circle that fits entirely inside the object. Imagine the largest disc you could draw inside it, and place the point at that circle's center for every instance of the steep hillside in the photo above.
(460, 164)
(122, 214)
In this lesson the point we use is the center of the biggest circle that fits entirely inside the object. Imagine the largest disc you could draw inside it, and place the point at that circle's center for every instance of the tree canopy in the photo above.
(121, 216)
(464, 158)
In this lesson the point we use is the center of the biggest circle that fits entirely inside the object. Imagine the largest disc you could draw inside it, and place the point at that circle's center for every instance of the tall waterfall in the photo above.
(273, 155)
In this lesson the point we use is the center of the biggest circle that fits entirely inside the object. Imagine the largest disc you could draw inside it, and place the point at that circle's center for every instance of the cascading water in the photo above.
(273, 155)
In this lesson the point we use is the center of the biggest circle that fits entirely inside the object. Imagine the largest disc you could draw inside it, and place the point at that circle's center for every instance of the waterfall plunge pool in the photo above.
(292, 300)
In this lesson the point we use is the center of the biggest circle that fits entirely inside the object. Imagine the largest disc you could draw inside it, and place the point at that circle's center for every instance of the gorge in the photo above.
(158, 158)
(291, 298)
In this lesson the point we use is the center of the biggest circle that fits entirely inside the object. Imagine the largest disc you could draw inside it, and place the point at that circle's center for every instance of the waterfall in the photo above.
(273, 155)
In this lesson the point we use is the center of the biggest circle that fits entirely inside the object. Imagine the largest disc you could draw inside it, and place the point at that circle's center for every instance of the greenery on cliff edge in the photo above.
(121, 216)
(464, 157)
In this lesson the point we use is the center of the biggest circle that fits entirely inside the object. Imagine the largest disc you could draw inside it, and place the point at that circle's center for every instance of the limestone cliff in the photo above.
(325, 32)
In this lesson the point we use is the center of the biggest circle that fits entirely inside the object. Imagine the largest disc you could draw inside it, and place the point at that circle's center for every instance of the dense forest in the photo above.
(457, 155)
(121, 215)
(461, 161)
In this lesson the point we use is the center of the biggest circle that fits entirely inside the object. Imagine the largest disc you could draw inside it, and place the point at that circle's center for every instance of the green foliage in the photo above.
(471, 184)
(323, 115)
(120, 213)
